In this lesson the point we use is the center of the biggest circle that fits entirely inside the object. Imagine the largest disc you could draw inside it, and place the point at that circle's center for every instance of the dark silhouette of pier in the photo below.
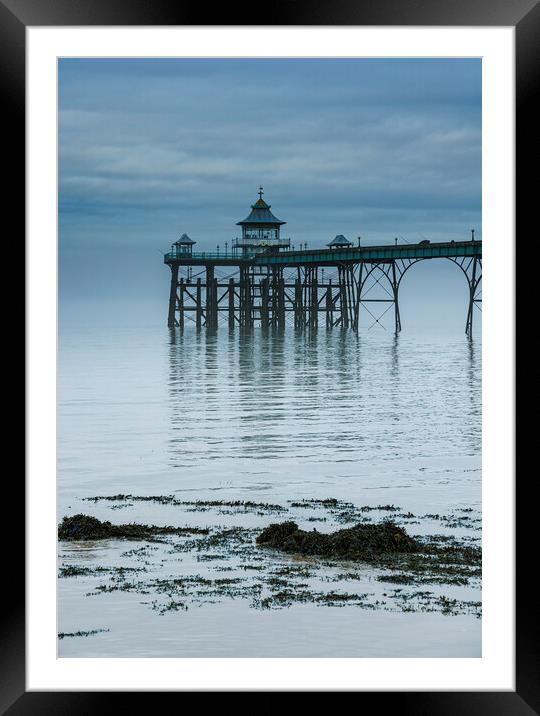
(269, 278)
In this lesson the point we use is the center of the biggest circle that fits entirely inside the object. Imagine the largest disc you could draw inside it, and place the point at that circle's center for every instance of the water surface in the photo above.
(268, 418)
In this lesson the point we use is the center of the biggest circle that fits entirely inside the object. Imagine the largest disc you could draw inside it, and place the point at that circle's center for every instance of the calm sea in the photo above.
(371, 419)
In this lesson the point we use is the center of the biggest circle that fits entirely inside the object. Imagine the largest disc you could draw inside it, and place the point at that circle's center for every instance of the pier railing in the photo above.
(207, 256)
(440, 249)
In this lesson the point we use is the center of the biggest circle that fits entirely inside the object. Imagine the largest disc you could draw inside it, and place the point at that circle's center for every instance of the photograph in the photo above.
(270, 373)
(269, 366)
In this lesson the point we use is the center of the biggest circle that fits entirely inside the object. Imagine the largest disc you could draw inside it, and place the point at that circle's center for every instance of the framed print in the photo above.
(270, 370)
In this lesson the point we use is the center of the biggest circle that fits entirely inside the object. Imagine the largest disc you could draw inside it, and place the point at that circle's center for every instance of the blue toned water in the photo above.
(370, 419)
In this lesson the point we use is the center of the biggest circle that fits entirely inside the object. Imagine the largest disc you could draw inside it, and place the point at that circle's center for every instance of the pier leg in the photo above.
(231, 303)
(171, 322)
(215, 302)
(245, 298)
(274, 298)
(358, 297)
(305, 298)
(328, 304)
(264, 302)
(198, 309)
(343, 298)
(473, 285)
(395, 291)
(350, 295)
(281, 302)
(181, 304)
(314, 303)
(297, 303)
(241, 295)
(249, 300)
(209, 297)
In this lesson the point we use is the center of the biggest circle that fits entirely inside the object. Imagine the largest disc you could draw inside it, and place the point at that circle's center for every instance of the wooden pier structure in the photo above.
(270, 284)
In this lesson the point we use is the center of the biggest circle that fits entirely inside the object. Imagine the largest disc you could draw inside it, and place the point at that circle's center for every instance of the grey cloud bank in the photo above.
(149, 149)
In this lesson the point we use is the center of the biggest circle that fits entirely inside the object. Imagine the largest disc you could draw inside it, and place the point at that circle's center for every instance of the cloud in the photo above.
(151, 148)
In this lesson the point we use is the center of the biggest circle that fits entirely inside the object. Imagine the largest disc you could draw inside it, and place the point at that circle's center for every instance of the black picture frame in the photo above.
(524, 15)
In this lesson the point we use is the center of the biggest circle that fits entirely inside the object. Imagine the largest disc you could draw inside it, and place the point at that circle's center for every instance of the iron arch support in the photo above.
(471, 266)
(393, 272)
(472, 269)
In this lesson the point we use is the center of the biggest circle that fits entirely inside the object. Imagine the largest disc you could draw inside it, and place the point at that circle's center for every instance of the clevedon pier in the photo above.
(263, 279)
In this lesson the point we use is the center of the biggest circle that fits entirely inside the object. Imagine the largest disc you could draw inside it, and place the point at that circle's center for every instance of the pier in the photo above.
(270, 283)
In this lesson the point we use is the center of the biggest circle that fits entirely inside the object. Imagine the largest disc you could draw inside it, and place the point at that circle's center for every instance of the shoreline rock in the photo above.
(84, 527)
(364, 542)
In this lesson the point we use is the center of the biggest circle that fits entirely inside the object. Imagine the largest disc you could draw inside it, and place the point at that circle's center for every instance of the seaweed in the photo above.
(85, 527)
(251, 570)
(63, 635)
(244, 505)
(365, 542)
(78, 571)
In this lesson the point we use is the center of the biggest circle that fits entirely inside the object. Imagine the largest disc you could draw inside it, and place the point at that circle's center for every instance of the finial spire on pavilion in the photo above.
(261, 192)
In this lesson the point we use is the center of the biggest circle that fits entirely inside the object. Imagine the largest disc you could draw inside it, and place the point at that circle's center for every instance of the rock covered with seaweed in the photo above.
(85, 527)
(362, 542)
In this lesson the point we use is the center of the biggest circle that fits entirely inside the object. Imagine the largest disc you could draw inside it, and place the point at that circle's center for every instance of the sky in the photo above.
(152, 148)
